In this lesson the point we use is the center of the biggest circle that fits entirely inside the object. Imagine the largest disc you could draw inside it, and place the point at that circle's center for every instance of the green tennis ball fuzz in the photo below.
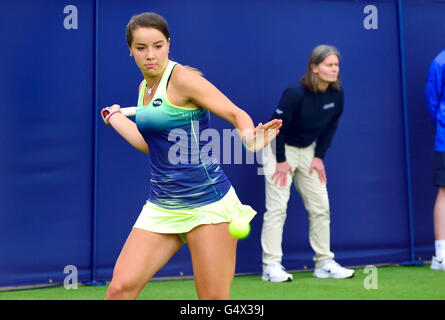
(239, 228)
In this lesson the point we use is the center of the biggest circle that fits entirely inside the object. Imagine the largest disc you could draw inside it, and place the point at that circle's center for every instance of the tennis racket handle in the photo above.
(128, 112)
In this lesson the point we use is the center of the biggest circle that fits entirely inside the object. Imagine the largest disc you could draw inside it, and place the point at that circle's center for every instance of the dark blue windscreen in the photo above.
(251, 50)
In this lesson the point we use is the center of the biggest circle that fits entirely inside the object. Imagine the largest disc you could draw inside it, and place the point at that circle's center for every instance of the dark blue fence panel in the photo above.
(52, 188)
(425, 34)
(251, 53)
(46, 142)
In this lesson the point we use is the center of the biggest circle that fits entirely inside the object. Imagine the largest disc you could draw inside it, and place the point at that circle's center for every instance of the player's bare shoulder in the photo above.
(185, 77)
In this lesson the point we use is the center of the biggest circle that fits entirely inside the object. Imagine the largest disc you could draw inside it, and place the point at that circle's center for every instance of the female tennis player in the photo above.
(189, 201)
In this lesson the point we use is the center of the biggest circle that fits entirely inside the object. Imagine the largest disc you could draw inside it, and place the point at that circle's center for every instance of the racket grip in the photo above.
(128, 112)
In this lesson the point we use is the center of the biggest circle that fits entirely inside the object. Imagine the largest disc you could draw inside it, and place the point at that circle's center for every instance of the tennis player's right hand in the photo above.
(281, 172)
(108, 111)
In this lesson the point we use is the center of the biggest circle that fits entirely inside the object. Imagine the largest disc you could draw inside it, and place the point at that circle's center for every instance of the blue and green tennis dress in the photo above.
(187, 187)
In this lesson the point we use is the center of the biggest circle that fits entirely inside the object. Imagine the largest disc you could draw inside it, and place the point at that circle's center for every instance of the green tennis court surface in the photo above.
(382, 283)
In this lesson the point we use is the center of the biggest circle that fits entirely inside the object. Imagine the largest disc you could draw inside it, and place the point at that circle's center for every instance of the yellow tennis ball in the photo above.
(239, 228)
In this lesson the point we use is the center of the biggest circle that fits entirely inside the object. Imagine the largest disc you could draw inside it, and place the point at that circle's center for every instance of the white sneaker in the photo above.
(437, 264)
(275, 272)
(332, 269)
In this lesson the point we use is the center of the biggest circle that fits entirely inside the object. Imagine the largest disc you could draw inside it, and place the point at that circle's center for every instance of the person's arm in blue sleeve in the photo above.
(290, 100)
(434, 90)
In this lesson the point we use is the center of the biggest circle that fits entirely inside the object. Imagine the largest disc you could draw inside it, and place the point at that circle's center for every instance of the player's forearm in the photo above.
(129, 131)
(242, 122)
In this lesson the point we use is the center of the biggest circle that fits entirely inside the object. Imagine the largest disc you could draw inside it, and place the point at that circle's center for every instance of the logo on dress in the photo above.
(329, 106)
(157, 102)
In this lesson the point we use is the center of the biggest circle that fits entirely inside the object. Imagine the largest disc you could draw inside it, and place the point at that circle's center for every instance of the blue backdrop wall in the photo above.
(71, 188)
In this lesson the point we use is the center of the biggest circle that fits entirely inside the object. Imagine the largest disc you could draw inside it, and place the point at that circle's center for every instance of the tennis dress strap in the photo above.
(162, 88)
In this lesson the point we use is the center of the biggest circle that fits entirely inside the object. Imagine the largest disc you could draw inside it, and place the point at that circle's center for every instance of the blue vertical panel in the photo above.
(425, 34)
(122, 171)
(46, 142)
(366, 162)
(251, 50)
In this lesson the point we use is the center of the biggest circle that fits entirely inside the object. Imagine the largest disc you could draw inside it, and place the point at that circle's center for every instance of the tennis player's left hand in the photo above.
(318, 165)
(258, 138)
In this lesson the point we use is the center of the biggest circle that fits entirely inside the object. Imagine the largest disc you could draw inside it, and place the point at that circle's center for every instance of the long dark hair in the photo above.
(318, 54)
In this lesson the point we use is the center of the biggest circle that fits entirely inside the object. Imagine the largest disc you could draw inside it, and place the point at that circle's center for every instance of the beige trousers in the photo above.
(315, 199)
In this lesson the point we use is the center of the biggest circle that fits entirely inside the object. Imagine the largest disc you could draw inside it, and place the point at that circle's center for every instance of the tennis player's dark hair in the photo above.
(318, 54)
(146, 20)
(151, 20)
